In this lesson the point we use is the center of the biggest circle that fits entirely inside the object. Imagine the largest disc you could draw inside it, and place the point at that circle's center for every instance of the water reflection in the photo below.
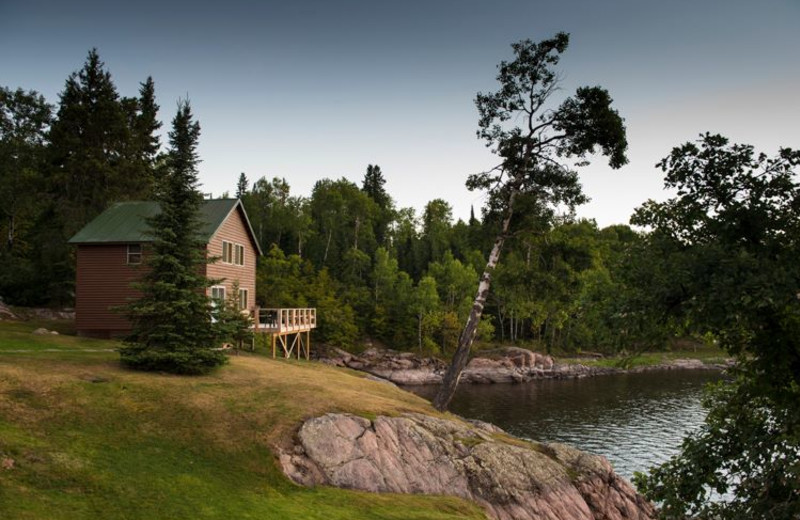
(635, 420)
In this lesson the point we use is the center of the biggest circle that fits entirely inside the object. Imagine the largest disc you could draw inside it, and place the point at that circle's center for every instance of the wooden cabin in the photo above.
(112, 253)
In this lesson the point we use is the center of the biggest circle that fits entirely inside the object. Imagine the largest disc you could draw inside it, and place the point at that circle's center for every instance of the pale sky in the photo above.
(312, 89)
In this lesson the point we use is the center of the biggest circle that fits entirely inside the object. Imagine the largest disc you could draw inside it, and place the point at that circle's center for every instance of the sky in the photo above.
(309, 89)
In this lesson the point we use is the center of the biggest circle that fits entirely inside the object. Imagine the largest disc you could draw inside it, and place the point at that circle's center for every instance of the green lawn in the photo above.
(89, 439)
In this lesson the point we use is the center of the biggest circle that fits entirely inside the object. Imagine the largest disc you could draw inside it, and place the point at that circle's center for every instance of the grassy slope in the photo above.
(92, 440)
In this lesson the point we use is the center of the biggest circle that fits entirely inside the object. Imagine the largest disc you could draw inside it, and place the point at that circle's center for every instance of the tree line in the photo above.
(373, 269)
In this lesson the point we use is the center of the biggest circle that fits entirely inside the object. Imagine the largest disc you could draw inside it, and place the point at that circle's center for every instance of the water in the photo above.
(635, 420)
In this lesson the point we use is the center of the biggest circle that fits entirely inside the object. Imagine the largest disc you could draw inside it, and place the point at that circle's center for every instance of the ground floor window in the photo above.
(218, 295)
(243, 299)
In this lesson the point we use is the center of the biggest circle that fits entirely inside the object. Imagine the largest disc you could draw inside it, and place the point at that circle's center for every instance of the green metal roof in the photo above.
(127, 222)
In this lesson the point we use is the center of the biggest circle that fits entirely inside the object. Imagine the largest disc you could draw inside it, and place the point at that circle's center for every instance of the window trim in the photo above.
(244, 305)
(130, 255)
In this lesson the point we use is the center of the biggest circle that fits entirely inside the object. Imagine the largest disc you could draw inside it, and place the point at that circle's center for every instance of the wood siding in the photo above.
(104, 277)
(234, 229)
(103, 281)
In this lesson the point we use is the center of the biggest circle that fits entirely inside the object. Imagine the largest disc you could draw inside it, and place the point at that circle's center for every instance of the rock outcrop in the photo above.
(414, 453)
(503, 365)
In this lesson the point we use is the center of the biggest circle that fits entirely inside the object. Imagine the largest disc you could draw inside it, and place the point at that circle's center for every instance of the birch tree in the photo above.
(539, 145)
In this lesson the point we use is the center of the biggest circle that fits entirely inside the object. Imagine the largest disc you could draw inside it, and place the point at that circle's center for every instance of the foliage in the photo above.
(232, 323)
(743, 462)
(733, 233)
(24, 121)
(172, 328)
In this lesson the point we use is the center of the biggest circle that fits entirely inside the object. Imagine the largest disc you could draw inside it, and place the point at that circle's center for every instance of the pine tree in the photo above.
(173, 331)
(373, 185)
(88, 141)
(241, 186)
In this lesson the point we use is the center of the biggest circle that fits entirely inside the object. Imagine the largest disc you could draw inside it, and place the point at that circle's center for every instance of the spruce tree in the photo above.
(241, 186)
(173, 331)
(373, 185)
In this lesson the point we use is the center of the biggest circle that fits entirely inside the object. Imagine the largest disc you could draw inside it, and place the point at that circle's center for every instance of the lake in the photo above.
(635, 420)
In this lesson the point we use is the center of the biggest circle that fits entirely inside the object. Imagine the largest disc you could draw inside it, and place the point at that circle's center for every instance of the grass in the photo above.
(89, 439)
(708, 354)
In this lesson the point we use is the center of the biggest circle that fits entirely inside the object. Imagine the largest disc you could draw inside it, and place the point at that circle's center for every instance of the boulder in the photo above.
(415, 453)
(6, 313)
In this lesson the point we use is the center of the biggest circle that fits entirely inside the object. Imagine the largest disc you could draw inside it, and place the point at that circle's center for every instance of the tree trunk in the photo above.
(327, 246)
(461, 355)
(11, 232)
(419, 331)
(355, 239)
(502, 326)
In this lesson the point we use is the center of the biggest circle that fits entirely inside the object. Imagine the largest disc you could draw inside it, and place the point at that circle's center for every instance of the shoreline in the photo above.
(503, 365)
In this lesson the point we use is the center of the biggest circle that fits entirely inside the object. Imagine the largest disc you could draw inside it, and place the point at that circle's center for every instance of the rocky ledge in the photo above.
(503, 365)
(414, 453)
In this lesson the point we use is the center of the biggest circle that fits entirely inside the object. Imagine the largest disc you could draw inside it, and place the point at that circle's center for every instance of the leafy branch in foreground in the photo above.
(735, 229)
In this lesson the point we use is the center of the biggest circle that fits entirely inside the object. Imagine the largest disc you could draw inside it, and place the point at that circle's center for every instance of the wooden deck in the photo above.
(289, 328)
(280, 321)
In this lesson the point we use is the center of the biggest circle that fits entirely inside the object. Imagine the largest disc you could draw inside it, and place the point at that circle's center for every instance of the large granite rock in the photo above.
(414, 453)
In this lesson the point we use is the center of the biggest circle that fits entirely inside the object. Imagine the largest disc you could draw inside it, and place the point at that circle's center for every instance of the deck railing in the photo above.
(285, 320)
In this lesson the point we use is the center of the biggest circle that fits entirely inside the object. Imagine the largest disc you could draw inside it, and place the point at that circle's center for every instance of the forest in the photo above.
(373, 269)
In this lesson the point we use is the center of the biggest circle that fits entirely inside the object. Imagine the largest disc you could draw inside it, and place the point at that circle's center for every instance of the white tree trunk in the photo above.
(461, 355)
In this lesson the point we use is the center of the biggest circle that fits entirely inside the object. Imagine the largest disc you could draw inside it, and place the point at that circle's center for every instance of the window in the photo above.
(232, 253)
(242, 299)
(227, 252)
(134, 254)
(239, 254)
(218, 295)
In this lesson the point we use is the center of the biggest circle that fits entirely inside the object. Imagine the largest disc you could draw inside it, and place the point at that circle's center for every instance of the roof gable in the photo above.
(127, 222)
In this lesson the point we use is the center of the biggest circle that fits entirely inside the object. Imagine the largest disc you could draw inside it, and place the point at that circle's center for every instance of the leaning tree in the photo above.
(539, 144)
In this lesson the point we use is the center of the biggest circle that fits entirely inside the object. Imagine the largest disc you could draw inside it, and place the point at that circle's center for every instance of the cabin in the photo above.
(112, 252)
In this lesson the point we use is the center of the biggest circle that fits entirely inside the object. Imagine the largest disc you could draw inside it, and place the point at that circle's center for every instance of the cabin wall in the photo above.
(234, 230)
(103, 281)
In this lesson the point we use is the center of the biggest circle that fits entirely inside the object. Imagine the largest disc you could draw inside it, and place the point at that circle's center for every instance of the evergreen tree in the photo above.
(172, 330)
(373, 185)
(102, 150)
(88, 140)
(241, 186)
(146, 144)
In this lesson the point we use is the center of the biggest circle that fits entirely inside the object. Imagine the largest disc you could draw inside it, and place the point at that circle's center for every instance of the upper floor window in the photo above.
(239, 256)
(232, 253)
(134, 254)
